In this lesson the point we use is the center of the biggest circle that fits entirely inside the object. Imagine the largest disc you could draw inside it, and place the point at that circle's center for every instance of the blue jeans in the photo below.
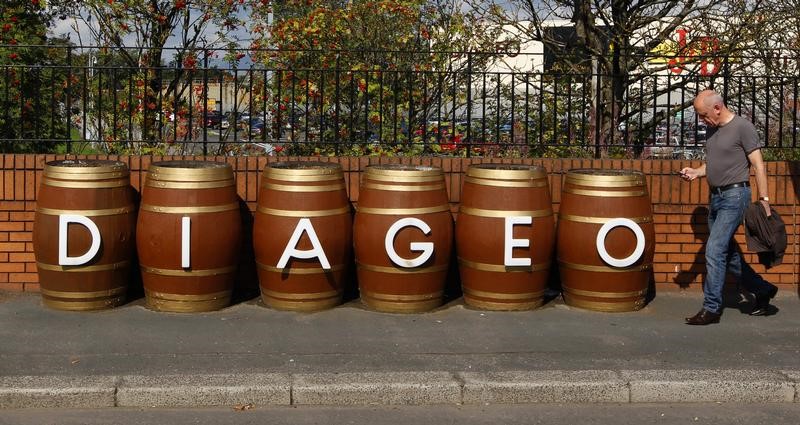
(726, 211)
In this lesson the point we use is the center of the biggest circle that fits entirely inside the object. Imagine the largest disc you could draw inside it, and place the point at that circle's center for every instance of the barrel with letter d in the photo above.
(606, 239)
(403, 235)
(188, 235)
(505, 234)
(303, 235)
(83, 234)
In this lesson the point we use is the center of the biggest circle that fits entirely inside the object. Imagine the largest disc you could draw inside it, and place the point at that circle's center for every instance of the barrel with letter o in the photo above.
(83, 234)
(505, 234)
(403, 235)
(606, 239)
(303, 235)
(188, 235)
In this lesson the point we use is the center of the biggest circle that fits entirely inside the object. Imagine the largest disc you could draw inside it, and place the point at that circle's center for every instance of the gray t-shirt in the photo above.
(727, 150)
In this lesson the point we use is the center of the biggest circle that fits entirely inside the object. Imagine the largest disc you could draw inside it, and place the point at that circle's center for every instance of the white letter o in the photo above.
(601, 242)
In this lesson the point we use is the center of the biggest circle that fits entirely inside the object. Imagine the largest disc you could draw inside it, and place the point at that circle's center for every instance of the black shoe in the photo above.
(762, 307)
(704, 317)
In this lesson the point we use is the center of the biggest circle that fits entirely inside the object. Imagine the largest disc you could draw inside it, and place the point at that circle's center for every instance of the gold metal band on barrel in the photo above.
(86, 185)
(478, 212)
(296, 188)
(403, 170)
(83, 269)
(402, 211)
(405, 179)
(303, 169)
(301, 296)
(190, 185)
(501, 268)
(88, 167)
(84, 305)
(402, 297)
(601, 220)
(301, 270)
(605, 175)
(523, 173)
(92, 176)
(506, 183)
(190, 174)
(302, 178)
(84, 295)
(609, 269)
(597, 294)
(189, 297)
(400, 270)
(189, 210)
(194, 273)
(606, 193)
(404, 188)
(593, 183)
(503, 295)
(604, 306)
(88, 213)
(306, 213)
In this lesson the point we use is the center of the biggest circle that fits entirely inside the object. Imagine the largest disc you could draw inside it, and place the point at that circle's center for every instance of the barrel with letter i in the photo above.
(189, 235)
(606, 239)
(403, 235)
(303, 235)
(83, 234)
(505, 234)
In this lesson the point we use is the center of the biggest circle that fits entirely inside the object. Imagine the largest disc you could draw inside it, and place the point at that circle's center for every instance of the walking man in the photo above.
(732, 148)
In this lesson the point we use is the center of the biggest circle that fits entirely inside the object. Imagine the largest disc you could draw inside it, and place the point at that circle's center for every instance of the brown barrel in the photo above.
(101, 192)
(289, 193)
(491, 193)
(206, 193)
(592, 199)
(387, 194)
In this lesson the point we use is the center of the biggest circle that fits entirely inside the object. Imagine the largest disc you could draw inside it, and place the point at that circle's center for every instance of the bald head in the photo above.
(710, 107)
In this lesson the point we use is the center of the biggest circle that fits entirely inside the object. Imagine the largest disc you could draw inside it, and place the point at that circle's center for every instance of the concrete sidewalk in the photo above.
(249, 354)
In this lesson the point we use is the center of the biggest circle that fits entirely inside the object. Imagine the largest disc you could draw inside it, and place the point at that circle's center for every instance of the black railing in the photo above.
(85, 100)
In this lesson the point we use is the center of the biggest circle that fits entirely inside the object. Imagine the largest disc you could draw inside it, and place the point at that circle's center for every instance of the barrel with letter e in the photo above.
(188, 235)
(83, 234)
(606, 239)
(505, 235)
(303, 235)
(403, 235)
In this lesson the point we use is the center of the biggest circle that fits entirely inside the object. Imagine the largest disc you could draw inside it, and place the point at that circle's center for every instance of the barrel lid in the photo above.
(190, 171)
(403, 170)
(603, 176)
(506, 171)
(303, 168)
(84, 166)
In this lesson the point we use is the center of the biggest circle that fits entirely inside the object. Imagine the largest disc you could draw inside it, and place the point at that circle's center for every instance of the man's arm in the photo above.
(757, 161)
(690, 174)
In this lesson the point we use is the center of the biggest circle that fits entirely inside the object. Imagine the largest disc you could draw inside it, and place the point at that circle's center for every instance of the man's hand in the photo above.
(767, 209)
(690, 174)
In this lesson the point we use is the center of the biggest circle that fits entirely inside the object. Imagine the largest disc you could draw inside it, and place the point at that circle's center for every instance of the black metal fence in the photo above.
(88, 100)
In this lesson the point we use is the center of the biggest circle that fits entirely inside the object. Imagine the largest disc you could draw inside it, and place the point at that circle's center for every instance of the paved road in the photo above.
(565, 414)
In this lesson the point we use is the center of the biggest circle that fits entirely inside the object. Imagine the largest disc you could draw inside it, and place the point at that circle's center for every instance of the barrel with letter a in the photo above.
(83, 234)
(606, 239)
(403, 235)
(505, 235)
(189, 235)
(303, 235)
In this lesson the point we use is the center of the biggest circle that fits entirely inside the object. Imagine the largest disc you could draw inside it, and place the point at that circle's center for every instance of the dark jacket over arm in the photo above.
(765, 235)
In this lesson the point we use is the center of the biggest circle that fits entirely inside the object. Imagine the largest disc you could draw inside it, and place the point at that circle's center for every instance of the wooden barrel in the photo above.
(101, 192)
(399, 273)
(492, 193)
(303, 211)
(198, 274)
(606, 239)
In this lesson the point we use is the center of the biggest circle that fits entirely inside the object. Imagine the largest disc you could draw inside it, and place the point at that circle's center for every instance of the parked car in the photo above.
(214, 119)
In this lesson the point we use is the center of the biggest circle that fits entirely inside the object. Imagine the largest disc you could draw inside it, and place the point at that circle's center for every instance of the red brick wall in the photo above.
(678, 207)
